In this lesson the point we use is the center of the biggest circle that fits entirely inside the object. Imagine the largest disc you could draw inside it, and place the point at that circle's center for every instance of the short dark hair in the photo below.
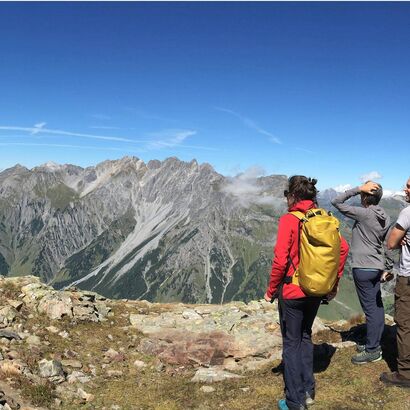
(301, 188)
(375, 197)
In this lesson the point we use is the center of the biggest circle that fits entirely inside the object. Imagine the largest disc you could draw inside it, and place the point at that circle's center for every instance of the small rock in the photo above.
(159, 366)
(114, 356)
(212, 374)
(13, 354)
(33, 340)
(52, 329)
(140, 364)
(207, 389)
(16, 304)
(341, 345)
(9, 335)
(64, 334)
(76, 364)
(50, 368)
(191, 314)
(8, 313)
(80, 377)
(114, 373)
(87, 397)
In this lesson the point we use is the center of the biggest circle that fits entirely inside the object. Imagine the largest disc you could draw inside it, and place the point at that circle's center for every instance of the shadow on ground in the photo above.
(322, 356)
(357, 334)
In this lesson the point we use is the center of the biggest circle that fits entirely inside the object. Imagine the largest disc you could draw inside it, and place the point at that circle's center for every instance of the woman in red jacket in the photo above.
(297, 311)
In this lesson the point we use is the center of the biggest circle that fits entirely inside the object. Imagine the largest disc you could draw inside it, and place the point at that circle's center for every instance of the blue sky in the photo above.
(321, 89)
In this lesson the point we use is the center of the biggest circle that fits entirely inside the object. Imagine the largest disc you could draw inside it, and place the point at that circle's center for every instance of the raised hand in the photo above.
(369, 187)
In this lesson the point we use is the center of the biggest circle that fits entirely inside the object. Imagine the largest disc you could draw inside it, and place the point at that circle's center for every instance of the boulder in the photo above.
(50, 368)
(56, 306)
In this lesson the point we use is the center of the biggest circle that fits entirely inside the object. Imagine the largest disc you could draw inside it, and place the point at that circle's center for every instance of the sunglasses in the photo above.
(285, 193)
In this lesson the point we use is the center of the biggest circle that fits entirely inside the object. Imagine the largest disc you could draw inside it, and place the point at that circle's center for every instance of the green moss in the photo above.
(60, 196)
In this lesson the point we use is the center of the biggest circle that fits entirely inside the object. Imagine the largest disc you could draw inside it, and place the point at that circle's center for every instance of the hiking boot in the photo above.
(310, 399)
(360, 348)
(367, 357)
(282, 405)
(395, 379)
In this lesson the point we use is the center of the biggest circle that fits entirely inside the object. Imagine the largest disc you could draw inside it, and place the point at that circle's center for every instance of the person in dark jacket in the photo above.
(297, 310)
(369, 261)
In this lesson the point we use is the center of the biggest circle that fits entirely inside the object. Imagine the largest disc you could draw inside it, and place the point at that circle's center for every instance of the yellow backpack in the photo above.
(319, 252)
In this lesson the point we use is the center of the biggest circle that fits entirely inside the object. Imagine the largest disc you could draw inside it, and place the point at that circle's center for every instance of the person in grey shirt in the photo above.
(369, 261)
(399, 238)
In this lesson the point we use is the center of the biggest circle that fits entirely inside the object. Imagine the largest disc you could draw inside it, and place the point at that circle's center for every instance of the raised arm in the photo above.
(354, 212)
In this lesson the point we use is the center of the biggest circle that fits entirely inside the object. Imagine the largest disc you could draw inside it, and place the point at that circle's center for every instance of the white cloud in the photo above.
(252, 125)
(29, 144)
(169, 138)
(388, 193)
(104, 128)
(244, 187)
(342, 188)
(42, 130)
(371, 176)
(38, 127)
(173, 138)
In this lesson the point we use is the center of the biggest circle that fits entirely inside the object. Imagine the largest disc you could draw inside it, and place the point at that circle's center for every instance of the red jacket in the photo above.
(287, 244)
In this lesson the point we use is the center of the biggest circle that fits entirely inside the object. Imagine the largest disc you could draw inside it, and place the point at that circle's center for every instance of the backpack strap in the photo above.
(294, 278)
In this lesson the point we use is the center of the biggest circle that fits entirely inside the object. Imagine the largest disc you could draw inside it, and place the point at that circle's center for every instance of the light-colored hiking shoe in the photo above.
(367, 357)
(310, 401)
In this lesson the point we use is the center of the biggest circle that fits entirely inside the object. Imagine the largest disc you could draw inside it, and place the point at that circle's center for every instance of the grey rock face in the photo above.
(164, 231)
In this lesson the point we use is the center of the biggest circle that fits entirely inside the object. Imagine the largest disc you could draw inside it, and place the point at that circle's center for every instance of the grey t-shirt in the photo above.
(404, 221)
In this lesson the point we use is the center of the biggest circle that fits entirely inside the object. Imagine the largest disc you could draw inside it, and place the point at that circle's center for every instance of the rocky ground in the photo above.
(75, 349)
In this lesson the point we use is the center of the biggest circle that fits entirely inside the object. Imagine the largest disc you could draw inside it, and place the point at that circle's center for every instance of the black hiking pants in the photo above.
(296, 320)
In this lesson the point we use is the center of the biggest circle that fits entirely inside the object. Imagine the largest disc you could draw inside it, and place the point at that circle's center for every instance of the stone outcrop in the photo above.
(210, 334)
(72, 303)
(40, 343)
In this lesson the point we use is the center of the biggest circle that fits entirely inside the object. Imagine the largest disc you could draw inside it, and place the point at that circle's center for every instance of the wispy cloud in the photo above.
(308, 151)
(33, 144)
(370, 176)
(153, 141)
(37, 130)
(38, 127)
(251, 124)
(96, 127)
(173, 138)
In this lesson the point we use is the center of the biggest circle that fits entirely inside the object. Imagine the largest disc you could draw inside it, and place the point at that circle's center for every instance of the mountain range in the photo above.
(162, 231)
